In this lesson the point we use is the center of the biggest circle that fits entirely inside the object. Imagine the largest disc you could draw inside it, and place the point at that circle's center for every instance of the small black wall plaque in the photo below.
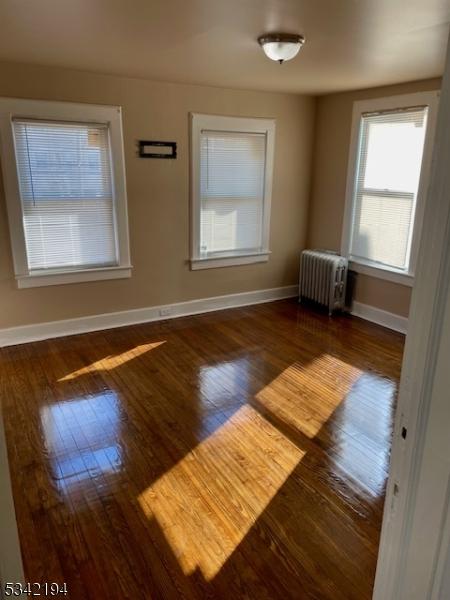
(154, 149)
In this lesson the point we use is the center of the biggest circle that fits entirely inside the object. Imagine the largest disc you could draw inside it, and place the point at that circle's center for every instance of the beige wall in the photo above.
(332, 140)
(158, 194)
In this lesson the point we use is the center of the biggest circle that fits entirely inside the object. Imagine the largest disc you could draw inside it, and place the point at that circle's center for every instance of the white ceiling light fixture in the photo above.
(281, 46)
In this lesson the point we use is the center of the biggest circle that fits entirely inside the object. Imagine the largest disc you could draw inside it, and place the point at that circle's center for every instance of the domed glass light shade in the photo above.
(281, 46)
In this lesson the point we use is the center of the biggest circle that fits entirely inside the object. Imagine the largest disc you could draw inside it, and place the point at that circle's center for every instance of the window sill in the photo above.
(64, 277)
(382, 273)
(228, 261)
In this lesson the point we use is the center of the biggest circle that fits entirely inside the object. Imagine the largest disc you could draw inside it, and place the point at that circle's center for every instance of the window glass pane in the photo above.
(232, 170)
(394, 153)
(66, 191)
(387, 182)
(382, 228)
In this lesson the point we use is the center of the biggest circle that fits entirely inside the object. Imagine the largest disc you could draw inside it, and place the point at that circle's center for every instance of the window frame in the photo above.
(199, 260)
(13, 108)
(367, 267)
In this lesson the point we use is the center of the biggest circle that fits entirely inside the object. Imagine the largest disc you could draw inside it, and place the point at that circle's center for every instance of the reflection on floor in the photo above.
(238, 454)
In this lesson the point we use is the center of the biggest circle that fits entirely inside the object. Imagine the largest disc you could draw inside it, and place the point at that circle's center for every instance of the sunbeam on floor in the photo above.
(244, 462)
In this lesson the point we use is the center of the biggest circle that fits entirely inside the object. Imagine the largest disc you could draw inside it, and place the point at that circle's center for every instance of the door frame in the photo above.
(430, 292)
(11, 567)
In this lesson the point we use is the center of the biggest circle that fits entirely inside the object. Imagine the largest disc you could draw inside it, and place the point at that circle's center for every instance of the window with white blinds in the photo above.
(64, 176)
(387, 171)
(232, 169)
(65, 182)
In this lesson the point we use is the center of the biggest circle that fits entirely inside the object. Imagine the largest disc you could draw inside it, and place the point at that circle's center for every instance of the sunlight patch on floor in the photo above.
(305, 396)
(111, 362)
(207, 503)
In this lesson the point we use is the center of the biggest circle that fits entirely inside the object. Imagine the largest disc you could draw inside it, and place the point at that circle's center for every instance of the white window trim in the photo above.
(430, 99)
(64, 111)
(200, 260)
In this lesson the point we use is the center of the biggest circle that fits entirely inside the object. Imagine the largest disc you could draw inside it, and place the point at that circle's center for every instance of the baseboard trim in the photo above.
(42, 331)
(379, 316)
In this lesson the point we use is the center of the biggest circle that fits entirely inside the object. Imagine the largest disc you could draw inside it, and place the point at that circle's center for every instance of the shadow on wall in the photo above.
(352, 276)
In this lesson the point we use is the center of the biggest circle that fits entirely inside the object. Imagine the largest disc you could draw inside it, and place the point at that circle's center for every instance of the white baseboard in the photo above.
(53, 329)
(42, 331)
(379, 316)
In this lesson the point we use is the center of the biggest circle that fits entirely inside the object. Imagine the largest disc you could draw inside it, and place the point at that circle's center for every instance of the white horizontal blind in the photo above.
(387, 181)
(65, 183)
(232, 172)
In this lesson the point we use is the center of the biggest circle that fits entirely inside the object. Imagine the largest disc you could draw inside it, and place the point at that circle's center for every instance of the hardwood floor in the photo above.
(237, 454)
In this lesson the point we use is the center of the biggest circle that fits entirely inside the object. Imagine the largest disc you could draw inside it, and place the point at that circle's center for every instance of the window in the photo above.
(388, 168)
(232, 162)
(65, 188)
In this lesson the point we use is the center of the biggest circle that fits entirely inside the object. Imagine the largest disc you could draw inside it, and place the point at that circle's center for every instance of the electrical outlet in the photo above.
(165, 312)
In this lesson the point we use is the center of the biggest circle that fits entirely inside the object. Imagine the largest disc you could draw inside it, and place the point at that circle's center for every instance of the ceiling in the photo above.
(350, 43)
